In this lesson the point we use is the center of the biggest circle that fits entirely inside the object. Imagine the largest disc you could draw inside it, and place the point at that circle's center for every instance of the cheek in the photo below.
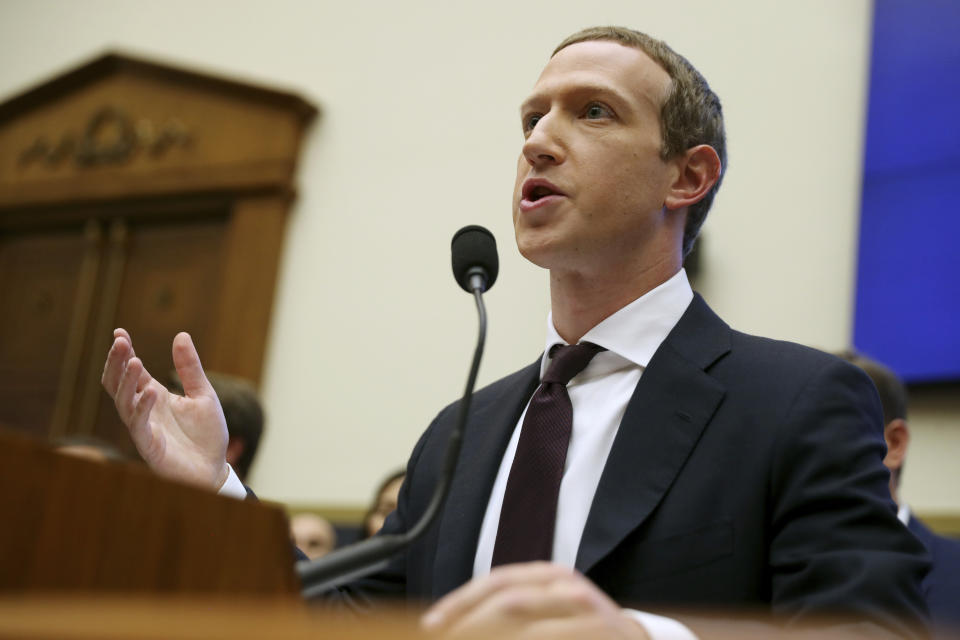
(522, 166)
(522, 169)
(639, 179)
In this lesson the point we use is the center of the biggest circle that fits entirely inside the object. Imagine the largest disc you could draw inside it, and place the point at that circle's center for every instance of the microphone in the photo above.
(474, 255)
(475, 266)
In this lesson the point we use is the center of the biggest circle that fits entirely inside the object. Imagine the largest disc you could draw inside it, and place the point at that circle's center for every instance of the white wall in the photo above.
(419, 135)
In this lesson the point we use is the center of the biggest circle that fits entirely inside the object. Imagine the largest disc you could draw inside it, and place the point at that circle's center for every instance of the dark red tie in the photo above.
(529, 510)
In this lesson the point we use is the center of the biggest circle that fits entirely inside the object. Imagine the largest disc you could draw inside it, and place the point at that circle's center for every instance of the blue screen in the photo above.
(908, 294)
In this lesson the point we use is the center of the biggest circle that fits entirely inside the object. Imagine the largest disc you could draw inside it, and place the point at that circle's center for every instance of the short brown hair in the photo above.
(893, 395)
(691, 114)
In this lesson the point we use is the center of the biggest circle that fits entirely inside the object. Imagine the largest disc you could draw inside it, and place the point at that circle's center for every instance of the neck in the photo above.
(580, 301)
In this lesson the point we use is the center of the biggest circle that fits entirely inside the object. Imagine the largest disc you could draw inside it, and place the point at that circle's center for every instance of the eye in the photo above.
(530, 121)
(597, 110)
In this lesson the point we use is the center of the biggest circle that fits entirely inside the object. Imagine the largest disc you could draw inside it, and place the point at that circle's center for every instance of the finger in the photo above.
(120, 332)
(467, 597)
(126, 395)
(530, 602)
(134, 409)
(187, 362)
(140, 431)
(564, 606)
(515, 609)
(457, 603)
(559, 598)
(120, 352)
(144, 380)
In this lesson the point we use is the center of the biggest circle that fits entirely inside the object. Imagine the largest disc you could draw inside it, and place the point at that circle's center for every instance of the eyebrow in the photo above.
(579, 89)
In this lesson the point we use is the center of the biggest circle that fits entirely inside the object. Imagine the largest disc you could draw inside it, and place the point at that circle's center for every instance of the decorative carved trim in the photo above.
(111, 137)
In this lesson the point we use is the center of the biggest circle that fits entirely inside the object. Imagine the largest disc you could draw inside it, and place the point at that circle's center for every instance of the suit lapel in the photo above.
(669, 409)
(493, 415)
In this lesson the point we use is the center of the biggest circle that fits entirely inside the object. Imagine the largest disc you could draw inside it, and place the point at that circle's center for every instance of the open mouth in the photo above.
(535, 190)
(540, 192)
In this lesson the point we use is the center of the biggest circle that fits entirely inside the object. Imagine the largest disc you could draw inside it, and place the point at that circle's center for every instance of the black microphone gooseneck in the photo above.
(475, 266)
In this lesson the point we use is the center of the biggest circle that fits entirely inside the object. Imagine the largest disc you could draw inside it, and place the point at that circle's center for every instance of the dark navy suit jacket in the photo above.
(941, 587)
(746, 473)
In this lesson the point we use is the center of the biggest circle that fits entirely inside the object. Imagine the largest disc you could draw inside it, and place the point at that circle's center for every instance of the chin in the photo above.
(539, 251)
(529, 250)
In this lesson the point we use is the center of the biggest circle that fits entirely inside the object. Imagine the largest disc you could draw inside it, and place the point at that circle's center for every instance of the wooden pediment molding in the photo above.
(119, 126)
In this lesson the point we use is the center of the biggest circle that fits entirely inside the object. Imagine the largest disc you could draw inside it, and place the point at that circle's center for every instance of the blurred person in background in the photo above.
(313, 534)
(384, 503)
(941, 587)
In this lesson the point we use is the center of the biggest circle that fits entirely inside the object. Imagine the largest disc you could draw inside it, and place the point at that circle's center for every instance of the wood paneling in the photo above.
(117, 527)
(115, 617)
(41, 272)
(256, 236)
(138, 195)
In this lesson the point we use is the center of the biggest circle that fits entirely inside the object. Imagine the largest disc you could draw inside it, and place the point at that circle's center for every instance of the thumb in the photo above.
(187, 362)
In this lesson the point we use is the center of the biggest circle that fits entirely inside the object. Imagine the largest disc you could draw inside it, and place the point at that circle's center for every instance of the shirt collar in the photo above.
(903, 514)
(635, 332)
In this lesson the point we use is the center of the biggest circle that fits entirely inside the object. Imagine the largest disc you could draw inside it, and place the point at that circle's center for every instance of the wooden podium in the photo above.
(110, 550)
(70, 525)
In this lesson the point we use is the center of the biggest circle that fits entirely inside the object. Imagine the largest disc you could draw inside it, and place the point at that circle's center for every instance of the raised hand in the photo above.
(180, 437)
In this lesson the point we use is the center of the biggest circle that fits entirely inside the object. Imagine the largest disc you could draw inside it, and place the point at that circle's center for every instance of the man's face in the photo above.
(590, 182)
(313, 535)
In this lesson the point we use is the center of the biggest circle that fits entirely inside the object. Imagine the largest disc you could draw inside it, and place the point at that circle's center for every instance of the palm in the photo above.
(181, 441)
(181, 437)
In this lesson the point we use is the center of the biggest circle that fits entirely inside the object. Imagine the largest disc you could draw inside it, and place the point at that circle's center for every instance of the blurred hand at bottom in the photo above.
(532, 600)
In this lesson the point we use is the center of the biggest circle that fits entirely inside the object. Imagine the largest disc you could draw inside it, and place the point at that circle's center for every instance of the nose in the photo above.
(545, 144)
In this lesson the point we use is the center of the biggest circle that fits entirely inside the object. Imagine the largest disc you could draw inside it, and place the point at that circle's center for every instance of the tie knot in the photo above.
(569, 360)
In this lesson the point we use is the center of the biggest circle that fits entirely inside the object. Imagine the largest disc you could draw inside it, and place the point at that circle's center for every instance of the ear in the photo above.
(699, 169)
(897, 435)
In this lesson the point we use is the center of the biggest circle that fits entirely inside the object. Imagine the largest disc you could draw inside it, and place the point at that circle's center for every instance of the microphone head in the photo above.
(474, 252)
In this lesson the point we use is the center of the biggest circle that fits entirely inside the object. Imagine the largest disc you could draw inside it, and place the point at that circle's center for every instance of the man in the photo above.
(705, 468)
(941, 587)
(313, 534)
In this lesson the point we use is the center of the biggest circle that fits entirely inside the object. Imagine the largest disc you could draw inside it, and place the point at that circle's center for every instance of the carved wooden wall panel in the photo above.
(138, 195)
(44, 284)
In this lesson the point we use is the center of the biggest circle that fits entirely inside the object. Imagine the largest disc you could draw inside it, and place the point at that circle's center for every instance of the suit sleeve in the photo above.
(836, 544)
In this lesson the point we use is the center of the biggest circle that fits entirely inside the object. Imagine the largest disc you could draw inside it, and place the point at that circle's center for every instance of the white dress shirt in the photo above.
(903, 514)
(599, 395)
(233, 487)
